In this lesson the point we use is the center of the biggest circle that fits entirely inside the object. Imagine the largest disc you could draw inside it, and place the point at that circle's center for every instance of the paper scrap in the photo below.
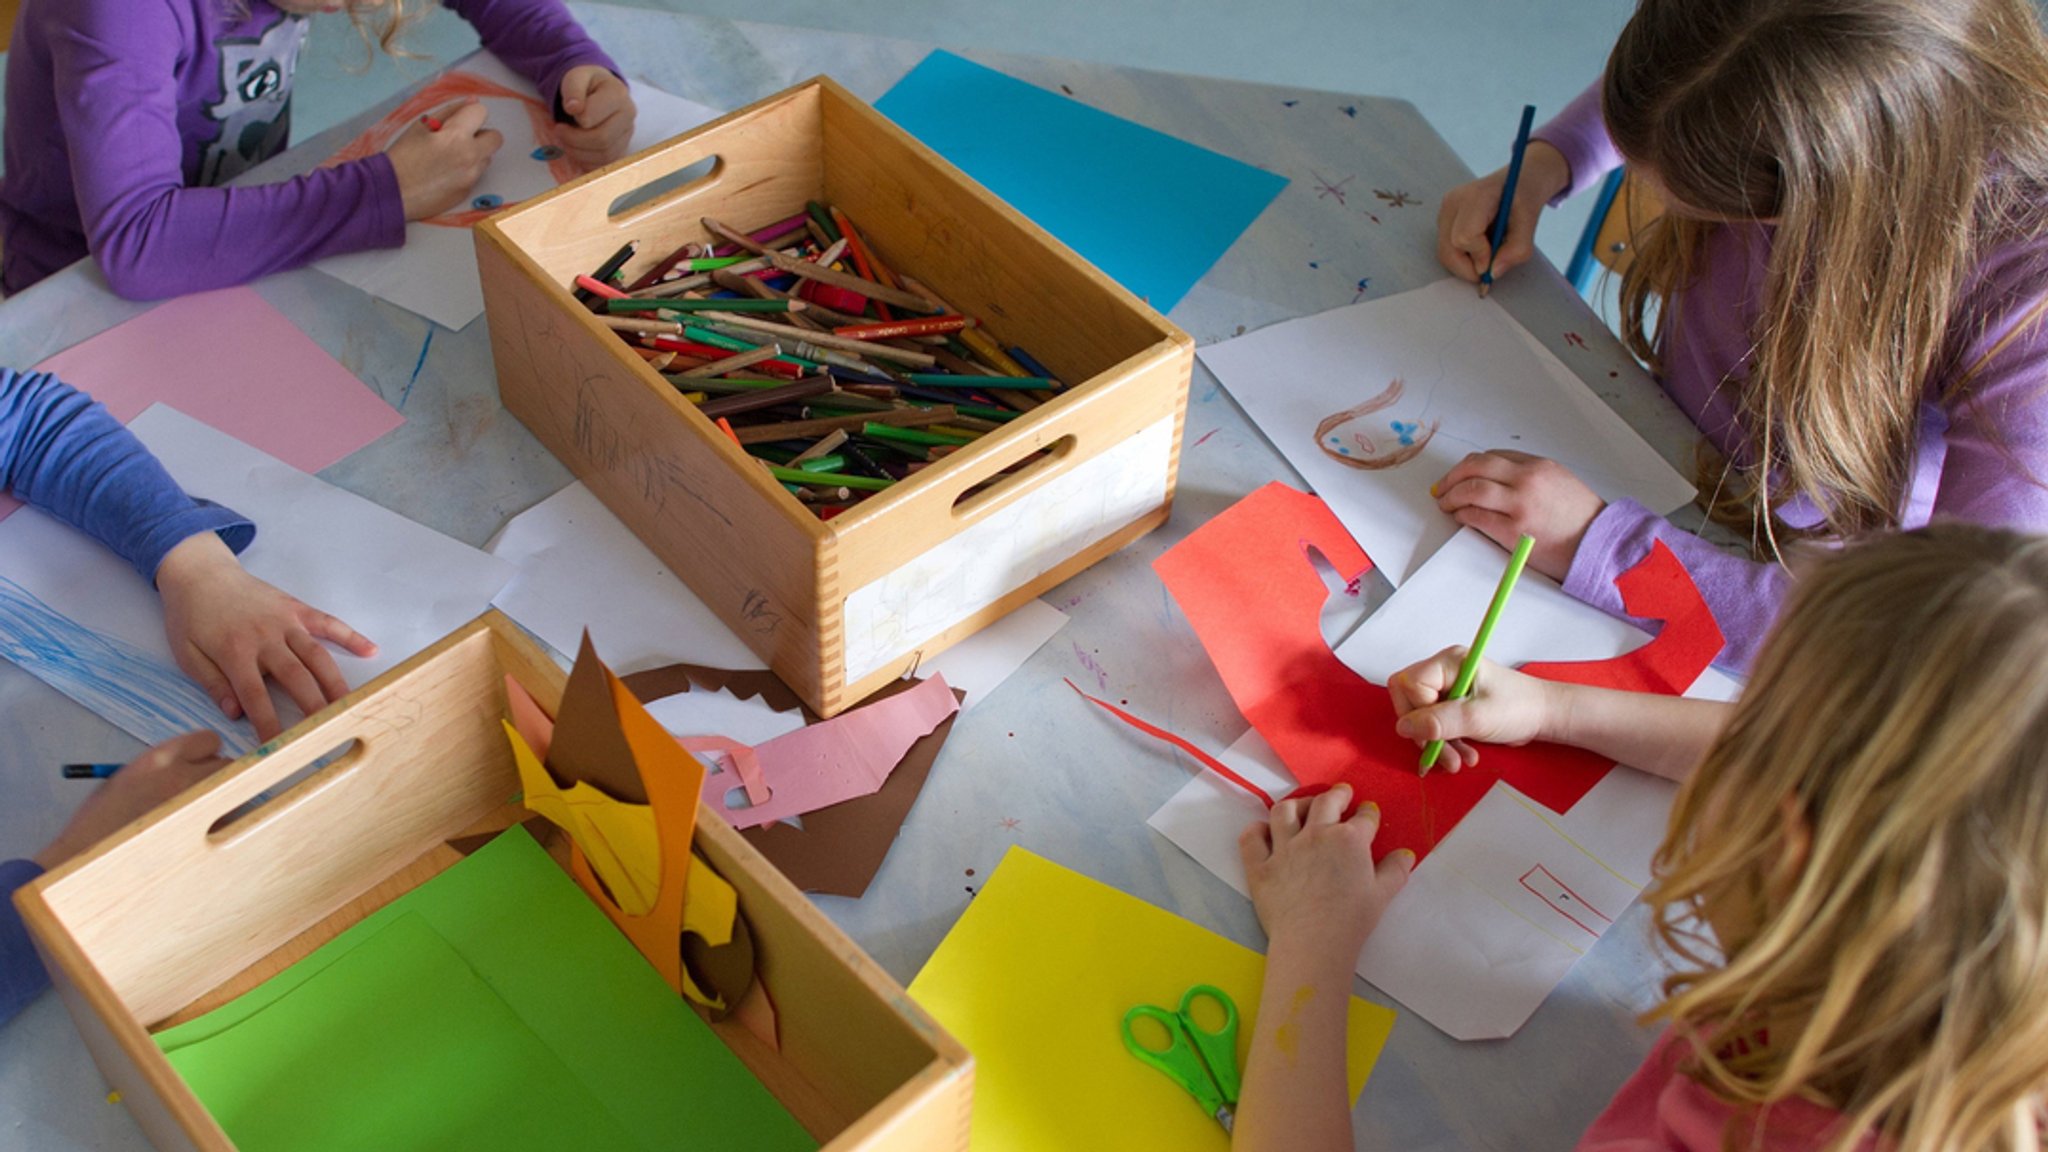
(1383, 397)
(232, 361)
(837, 849)
(78, 617)
(619, 839)
(491, 1007)
(848, 756)
(1034, 979)
(434, 274)
(1155, 211)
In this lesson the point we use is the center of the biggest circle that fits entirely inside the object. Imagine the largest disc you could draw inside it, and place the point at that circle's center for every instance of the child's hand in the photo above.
(1312, 876)
(436, 168)
(229, 630)
(600, 109)
(146, 781)
(1464, 223)
(1508, 495)
(1505, 707)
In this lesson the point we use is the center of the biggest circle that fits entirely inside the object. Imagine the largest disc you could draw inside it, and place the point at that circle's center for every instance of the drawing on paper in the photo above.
(505, 182)
(1543, 884)
(1396, 199)
(139, 693)
(1356, 442)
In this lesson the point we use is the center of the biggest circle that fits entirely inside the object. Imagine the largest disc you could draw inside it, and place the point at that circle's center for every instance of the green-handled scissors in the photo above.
(1199, 1060)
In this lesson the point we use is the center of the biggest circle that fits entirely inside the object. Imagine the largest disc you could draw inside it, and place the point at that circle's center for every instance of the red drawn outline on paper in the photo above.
(1567, 889)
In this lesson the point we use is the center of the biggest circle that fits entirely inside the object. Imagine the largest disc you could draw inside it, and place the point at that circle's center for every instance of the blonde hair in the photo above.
(1892, 142)
(1868, 843)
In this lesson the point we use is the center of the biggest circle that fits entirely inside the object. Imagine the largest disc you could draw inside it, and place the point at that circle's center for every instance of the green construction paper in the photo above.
(649, 1073)
(408, 1048)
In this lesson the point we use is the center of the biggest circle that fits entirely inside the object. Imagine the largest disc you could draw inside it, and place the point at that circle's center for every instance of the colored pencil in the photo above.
(1507, 196)
(1468, 670)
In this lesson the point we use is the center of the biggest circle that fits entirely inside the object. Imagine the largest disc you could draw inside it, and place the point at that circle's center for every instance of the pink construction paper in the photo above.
(229, 359)
(836, 760)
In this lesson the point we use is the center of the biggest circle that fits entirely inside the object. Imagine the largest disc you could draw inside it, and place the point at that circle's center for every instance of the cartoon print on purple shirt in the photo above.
(255, 108)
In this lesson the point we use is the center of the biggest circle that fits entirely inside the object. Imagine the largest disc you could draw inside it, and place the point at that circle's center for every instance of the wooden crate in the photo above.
(170, 918)
(839, 608)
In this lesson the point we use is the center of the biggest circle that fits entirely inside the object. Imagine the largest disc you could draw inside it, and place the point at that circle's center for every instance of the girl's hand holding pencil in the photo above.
(600, 114)
(1503, 707)
(441, 157)
(1464, 222)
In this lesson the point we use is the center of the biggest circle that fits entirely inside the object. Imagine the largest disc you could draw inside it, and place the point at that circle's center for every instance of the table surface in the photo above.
(1032, 765)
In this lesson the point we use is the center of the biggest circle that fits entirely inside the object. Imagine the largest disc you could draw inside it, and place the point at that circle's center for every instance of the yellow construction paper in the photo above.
(620, 839)
(1035, 979)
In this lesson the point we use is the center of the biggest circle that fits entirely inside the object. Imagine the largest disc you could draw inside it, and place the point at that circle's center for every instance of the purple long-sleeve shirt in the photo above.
(1982, 457)
(62, 452)
(124, 116)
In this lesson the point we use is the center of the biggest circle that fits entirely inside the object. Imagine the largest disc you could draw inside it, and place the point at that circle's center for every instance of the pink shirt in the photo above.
(1660, 1109)
(1981, 458)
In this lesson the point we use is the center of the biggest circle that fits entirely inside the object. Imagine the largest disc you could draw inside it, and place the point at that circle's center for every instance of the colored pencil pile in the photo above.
(840, 376)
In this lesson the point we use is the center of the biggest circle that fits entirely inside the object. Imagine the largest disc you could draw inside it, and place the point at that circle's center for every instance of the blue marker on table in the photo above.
(1507, 194)
(90, 771)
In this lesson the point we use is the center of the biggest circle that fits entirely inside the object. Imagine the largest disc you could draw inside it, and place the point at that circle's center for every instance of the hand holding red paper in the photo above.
(441, 157)
(1504, 706)
(601, 114)
(1508, 495)
(1312, 875)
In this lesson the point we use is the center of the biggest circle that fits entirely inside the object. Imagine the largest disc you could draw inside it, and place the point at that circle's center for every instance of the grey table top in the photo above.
(1356, 221)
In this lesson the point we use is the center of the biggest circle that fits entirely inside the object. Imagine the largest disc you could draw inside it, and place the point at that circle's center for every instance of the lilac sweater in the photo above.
(1982, 458)
(61, 452)
(125, 116)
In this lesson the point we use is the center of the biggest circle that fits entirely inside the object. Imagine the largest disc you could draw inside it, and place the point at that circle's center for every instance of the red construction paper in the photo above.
(1254, 599)
(1658, 588)
(1185, 745)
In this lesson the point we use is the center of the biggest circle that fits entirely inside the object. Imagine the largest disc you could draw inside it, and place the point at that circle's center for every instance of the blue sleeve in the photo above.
(22, 978)
(63, 452)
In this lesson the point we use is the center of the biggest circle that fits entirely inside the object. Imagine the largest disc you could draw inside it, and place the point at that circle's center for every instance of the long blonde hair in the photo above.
(1868, 844)
(1892, 142)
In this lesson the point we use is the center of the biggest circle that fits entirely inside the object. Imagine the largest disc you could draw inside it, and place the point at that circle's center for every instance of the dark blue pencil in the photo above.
(1507, 194)
(90, 771)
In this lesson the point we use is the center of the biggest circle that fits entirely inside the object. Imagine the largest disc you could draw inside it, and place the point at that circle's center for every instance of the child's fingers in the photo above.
(1366, 819)
(334, 630)
(1424, 682)
(1499, 527)
(246, 678)
(201, 747)
(1255, 845)
(211, 680)
(1394, 868)
(466, 119)
(1285, 819)
(320, 664)
(1328, 807)
(283, 664)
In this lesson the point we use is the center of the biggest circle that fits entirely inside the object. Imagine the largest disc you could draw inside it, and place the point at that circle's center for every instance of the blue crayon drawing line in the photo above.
(417, 366)
(139, 693)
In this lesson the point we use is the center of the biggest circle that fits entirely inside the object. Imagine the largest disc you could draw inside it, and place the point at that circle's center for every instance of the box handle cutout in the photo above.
(253, 812)
(681, 184)
(1025, 472)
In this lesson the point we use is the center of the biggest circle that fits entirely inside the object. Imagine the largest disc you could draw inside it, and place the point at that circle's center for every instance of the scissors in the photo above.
(1197, 1059)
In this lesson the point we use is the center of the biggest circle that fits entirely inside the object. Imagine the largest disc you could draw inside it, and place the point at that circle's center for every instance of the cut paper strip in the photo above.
(589, 742)
(410, 1053)
(230, 360)
(848, 756)
(1384, 396)
(618, 839)
(1254, 599)
(434, 273)
(1034, 978)
(839, 849)
(1222, 770)
(1155, 211)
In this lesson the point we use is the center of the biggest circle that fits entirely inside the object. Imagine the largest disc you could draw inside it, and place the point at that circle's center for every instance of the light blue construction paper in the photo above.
(1151, 210)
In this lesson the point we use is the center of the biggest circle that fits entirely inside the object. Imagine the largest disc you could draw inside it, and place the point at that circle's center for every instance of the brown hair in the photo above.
(1891, 142)
(1868, 843)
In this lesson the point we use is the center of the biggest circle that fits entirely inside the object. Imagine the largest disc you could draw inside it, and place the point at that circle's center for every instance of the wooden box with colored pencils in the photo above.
(937, 410)
(354, 938)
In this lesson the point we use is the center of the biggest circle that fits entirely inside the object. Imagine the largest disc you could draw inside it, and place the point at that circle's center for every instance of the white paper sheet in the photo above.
(434, 274)
(1498, 913)
(80, 618)
(1465, 369)
(577, 566)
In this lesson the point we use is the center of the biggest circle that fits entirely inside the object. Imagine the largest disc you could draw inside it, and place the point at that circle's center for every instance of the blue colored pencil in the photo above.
(1507, 194)
(90, 771)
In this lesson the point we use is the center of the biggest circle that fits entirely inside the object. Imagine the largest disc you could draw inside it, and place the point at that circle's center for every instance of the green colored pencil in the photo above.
(1469, 669)
(799, 476)
(911, 435)
(948, 380)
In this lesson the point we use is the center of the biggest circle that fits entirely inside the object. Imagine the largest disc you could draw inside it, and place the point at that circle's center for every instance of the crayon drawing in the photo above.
(1373, 402)
(137, 691)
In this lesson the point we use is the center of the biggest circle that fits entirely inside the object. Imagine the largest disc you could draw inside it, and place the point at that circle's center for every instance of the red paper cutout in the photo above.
(1254, 600)
(1658, 588)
